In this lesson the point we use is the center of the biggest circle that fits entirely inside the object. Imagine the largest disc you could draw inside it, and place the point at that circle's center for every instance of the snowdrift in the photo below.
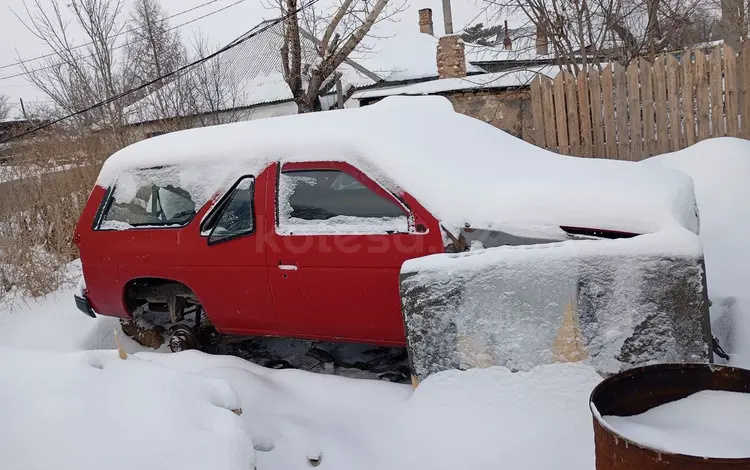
(720, 169)
(91, 410)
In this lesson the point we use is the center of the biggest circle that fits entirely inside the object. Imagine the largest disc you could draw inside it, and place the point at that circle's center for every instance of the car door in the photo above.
(336, 251)
(227, 270)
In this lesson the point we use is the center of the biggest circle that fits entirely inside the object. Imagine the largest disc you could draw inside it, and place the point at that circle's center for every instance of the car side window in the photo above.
(234, 218)
(333, 201)
(148, 205)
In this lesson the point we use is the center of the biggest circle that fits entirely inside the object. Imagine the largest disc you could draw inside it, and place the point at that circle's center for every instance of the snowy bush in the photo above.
(43, 188)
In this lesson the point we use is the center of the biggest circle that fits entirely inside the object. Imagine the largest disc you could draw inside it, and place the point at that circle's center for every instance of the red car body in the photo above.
(334, 287)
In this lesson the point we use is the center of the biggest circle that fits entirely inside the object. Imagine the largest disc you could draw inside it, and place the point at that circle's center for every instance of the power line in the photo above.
(47, 67)
(240, 40)
(25, 61)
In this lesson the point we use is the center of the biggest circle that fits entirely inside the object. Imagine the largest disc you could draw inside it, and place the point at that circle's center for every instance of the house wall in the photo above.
(146, 130)
(509, 110)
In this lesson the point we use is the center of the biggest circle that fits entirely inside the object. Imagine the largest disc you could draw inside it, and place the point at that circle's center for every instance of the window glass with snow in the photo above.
(235, 218)
(332, 201)
(145, 198)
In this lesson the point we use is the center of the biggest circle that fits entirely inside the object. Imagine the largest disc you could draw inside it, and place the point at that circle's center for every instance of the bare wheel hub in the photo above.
(182, 338)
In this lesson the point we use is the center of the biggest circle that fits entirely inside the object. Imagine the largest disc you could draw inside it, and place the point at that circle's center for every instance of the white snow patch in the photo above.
(53, 322)
(92, 410)
(501, 183)
(672, 242)
(474, 419)
(720, 169)
(709, 423)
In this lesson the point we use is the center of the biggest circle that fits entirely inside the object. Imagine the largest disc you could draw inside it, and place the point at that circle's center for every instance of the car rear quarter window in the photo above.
(148, 204)
(332, 201)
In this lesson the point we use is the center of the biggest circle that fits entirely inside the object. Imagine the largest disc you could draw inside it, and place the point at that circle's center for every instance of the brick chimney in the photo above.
(542, 44)
(425, 21)
(451, 59)
(507, 44)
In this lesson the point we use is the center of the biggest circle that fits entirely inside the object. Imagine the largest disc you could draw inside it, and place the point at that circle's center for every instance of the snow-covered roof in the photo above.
(465, 172)
(523, 48)
(506, 79)
(252, 72)
(405, 55)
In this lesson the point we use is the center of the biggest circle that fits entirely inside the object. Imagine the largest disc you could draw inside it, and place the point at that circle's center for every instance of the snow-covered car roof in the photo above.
(462, 170)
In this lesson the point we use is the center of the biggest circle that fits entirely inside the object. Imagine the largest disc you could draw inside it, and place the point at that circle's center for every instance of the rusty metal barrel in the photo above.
(640, 389)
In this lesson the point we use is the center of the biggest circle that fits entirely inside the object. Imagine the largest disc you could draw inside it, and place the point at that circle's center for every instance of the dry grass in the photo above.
(43, 188)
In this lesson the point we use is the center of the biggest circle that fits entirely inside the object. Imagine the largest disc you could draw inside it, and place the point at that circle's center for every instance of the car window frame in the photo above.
(104, 209)
(215, 213)
(108, 200)
(358, 175)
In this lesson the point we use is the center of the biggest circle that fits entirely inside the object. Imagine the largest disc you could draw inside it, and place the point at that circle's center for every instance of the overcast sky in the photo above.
(16, 41)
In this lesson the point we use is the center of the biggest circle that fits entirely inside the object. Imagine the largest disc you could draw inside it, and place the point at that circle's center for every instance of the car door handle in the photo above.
(287, 265)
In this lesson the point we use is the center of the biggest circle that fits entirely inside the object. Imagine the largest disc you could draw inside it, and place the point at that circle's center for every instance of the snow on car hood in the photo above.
(461, 169)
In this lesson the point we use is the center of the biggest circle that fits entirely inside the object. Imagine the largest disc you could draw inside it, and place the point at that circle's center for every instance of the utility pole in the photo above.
(23, 108)
(447, 17)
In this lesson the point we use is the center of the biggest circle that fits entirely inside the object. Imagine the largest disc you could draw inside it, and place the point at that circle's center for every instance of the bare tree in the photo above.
(735, 21)
(215, 93)
(154, 50)
(4, 107)
(583, 33)
(77, 77)
(317, 41)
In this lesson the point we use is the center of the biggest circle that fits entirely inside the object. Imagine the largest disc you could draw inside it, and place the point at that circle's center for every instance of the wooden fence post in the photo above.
(549, 114)
(673, 94)
(687, 96)
(701, 94)
(584, 113)
(731, 92)
(647, 92)
(717, 94)
(571, 98)
(558, 86)
(595, 94)
(634, 112)
(621, 108)
(744, 60)
(610, 130)
(537, 109)
(660, 88)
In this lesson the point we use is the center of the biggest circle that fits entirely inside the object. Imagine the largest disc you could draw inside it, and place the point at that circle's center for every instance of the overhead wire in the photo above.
(47, 67)
(51, 54)
(251, 33)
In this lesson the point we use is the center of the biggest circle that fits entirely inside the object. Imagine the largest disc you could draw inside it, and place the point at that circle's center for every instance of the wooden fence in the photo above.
(646, 109)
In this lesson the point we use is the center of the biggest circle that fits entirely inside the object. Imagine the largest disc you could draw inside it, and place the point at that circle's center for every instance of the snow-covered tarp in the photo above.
(464, 171)
(614, 304)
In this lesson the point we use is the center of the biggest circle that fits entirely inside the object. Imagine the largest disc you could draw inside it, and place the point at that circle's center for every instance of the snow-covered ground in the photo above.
(75, 405)
(63, 390)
